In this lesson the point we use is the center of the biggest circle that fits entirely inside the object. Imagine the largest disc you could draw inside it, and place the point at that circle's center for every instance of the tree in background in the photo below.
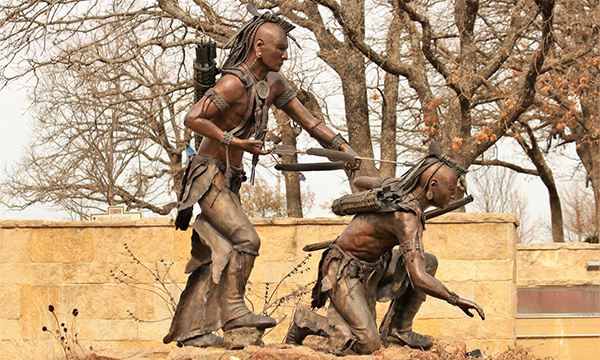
(461, 72)
(580, 213)
(263, 200)
(496, 190)
(568, 102)
(104, 134)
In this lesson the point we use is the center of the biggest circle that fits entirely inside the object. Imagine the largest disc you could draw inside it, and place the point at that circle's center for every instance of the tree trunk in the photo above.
(292, 180)
(589, 153)
(535, 154)
(388, 125)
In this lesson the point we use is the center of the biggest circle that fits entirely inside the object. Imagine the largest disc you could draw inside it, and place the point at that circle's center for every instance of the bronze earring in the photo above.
(429, 195)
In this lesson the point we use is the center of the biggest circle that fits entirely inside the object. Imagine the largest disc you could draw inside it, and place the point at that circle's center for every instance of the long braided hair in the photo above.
(241, 43)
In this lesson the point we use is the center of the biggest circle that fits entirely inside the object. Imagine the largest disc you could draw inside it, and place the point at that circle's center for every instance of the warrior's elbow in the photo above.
(190, 120)
(363, 183)
(419, 279)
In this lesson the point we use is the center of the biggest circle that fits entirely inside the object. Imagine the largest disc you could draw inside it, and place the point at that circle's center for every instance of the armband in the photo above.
(337, 142)
(226, 138)
(284, 98)
(216, 99)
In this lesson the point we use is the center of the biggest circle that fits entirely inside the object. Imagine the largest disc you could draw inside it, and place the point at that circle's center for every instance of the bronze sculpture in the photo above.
(361, 266)
(224, 242)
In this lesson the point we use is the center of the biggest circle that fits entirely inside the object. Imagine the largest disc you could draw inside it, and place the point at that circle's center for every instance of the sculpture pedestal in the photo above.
(242, 337)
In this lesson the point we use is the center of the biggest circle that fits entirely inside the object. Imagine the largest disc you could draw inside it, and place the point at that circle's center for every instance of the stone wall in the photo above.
(73, 265)
(557, 264)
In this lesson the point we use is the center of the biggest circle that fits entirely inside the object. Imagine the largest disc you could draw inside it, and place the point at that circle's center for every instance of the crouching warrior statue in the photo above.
(224, 242)
(361, 266)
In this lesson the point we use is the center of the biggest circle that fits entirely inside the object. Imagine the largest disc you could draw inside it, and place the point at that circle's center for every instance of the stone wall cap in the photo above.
(465, 218)
(146, 222)
(450, 218)
(558, 246)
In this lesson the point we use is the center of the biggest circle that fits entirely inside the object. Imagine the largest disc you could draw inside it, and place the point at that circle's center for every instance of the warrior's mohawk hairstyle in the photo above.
(241, 42)
(410, 179)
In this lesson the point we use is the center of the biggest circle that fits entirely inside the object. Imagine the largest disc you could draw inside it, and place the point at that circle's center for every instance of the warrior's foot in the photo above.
(296, 335)
(412, 339)
(204, 341)
(250, 320)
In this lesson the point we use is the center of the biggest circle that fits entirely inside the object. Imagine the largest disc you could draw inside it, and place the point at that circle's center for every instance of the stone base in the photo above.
(441, 350)
(243, 337)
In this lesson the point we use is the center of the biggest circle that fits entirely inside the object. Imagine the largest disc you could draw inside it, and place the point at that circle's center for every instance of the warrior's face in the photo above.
(271, 46)
(443, 186)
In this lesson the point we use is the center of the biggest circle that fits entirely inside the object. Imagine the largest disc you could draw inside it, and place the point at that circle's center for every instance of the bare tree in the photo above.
(465, 74)
(109, 135)
(568, 109)
(580, 212)
(481, 61)
(496, 190)
(263, 200)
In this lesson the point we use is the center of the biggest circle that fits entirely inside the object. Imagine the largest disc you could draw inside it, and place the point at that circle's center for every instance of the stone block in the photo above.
(15, 245)
(429, 327)
(11, 298)
(182, 244)
(164, 301)
(456, 329)
(497, 329)
(465, 289)
(271, 272)
(31, 274)
(277, 243)
(434, 308)
(143, 272)
(10, 329)
(87, 273)
(112, 301)
(106, 330)
(61, 245)
(154, 330)
(435, 239)
(456, 270)
(36, 299)
(478, 241)
(494, 298)
(147, 244)
(496, 270)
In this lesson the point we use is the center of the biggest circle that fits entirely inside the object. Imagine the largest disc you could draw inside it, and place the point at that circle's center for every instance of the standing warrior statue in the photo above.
(224, 242)
(360, 267)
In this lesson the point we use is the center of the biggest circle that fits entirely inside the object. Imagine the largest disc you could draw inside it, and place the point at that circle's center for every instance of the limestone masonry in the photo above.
(74, 264)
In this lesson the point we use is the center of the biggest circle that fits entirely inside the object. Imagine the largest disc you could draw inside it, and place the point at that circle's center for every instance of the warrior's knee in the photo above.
(247, 237)
(431, 264)
(368, 342)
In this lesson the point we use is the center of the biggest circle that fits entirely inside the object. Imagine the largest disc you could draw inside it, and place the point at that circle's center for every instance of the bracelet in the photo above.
(226, 138)
(453, 299)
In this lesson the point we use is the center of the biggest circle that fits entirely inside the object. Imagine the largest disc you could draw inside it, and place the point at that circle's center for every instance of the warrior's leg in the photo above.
(403, 311)
(225, 214)
(352, 318)
(306, 323)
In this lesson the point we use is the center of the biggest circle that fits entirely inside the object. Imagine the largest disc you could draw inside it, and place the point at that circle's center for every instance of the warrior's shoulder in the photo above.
(230, 87)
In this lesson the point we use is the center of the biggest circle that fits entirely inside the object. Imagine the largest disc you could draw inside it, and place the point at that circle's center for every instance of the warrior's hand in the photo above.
(251, 146)
(354, 165)
(466, 305)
